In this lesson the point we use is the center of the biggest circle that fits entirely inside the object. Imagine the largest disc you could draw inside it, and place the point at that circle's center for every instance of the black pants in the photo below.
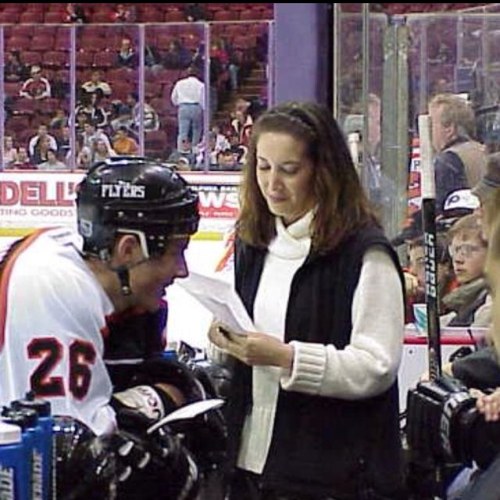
(248, 486)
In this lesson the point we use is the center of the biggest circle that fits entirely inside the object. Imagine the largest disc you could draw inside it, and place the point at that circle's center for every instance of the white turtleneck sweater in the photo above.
(366, 367)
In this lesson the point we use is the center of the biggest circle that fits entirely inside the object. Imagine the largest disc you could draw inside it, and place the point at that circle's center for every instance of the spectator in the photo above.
(177, 56)
(37, 87)
(132, 115)
(22, 161)
(101, 150)
(41, 150)
(123, 144)
(59, 120)
(64, 144)
(41, 134)
(188, 94)
(152, 57)
(176, 155)
(75, 13)
(52, 162)
(91, 134)
(15, 70)
(468, 253)
(84, 158)
(81, 120)
(314, 396)
(226, 161)
(90, 105)
(123, 14)
(242, 126)
(380, 187)
(126, 56)
(97, 85)
(60, 86)
(194, 12)
(415, 273)
(9, 151)
(221, 55)
(460, 161)
(217, 142)
(239, 150)
(182, 164)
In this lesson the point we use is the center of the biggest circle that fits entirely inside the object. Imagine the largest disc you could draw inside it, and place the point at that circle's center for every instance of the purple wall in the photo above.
(302, 55)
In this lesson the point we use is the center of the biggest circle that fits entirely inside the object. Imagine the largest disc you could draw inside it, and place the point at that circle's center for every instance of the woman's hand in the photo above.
(252, 348)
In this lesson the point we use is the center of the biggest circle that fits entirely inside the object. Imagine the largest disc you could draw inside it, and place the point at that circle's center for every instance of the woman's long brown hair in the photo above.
(342, 205)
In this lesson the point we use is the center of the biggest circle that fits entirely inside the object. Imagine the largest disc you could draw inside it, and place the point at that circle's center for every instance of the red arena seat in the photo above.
(55, 59)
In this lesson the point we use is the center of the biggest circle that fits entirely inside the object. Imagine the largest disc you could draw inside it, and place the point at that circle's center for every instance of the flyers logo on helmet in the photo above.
(123, 190)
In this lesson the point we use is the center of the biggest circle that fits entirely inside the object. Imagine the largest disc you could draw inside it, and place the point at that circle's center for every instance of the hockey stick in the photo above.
(429, 227)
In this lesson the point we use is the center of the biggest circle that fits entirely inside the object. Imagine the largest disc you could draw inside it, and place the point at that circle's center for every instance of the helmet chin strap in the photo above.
(124, 276)
(123, 270)
(124, 279)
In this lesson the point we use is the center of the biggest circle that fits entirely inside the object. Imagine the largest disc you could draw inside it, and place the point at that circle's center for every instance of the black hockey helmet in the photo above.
(129, 194)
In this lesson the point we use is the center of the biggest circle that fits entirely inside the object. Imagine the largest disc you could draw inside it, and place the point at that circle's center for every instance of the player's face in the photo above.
(149, 280)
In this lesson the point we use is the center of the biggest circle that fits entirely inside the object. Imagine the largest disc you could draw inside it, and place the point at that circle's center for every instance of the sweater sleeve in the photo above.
(369, 364)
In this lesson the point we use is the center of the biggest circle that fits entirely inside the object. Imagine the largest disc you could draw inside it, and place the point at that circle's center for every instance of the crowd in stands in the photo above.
(37, 76)
(84, 13)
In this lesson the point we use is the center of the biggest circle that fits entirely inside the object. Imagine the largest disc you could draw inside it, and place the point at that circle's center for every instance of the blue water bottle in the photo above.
(45, 421)
(33, 441)
(14, 478)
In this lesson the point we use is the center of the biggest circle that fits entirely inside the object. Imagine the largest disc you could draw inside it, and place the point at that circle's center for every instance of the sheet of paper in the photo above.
(189, 411)
(220, 298)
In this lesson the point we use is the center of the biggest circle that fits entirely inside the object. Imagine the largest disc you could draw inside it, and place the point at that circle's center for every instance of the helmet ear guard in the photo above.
(134, 195)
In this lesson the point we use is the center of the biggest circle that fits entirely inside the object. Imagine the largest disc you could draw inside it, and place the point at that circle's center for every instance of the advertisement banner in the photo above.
(31, 200)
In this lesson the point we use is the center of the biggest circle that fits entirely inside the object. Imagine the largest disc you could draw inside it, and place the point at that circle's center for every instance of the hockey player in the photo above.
(57, 289)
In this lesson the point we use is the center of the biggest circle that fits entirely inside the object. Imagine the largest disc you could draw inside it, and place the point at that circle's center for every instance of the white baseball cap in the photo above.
(462, 199)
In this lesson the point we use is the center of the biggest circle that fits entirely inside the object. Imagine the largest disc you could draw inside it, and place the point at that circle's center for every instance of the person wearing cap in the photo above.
(37, 86)
(457, 204)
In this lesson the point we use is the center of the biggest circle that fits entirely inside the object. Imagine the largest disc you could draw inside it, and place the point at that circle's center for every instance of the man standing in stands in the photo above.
(188, 95)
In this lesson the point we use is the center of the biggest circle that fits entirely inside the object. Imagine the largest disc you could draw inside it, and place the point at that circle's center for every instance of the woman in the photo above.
(313, 412)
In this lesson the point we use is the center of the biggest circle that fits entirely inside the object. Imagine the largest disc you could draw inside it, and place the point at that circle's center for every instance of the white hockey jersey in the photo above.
(52, 313)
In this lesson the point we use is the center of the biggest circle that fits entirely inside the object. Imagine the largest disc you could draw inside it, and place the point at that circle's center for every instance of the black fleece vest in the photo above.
(322, 446)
